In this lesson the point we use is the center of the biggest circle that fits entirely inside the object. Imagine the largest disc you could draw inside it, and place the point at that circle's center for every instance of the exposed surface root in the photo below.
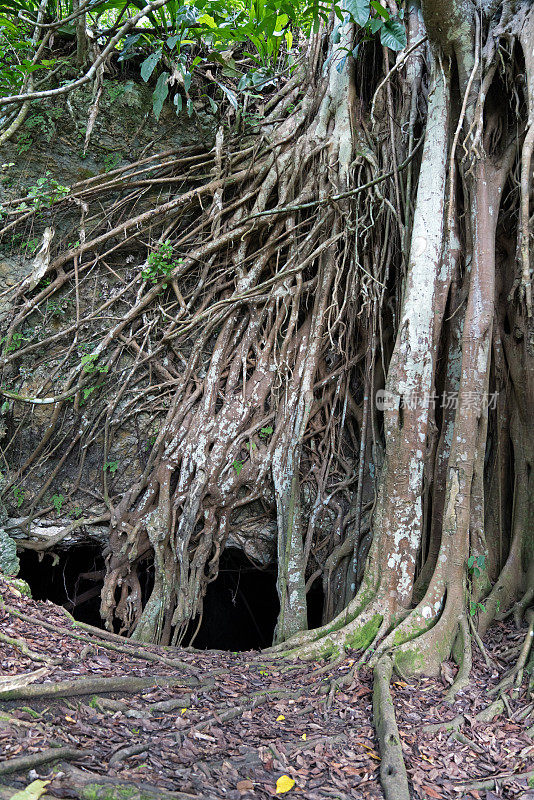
(393, 775)
(249, 718)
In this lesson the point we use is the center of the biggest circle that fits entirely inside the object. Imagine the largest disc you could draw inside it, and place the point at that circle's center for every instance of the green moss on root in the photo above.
(409, 662)
(328, 649)
(362, 638)
(97, 791)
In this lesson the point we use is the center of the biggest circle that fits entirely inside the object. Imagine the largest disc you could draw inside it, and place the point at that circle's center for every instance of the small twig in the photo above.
(480, 644)
(465, 664)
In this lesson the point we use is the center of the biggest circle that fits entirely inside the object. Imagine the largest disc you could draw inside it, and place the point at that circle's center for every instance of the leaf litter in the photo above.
(244, 725)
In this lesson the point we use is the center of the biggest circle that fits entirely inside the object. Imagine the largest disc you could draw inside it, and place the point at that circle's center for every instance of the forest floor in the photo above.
(206, 724)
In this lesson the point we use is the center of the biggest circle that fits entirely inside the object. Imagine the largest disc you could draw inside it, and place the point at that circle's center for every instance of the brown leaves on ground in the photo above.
(253, 721)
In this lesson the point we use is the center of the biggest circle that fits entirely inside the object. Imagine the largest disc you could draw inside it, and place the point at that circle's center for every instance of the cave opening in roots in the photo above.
(70, 578)
(240, 608)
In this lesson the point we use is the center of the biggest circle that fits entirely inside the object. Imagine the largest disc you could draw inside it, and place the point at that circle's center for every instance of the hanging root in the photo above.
(236, 361)
(255, 311)
(392, 768)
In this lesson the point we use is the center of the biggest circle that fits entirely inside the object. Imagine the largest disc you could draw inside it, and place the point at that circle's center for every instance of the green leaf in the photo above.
(190, 107)
(31, 792)
(375, 24)
(178, 102)
(470, 561)
(359, 10)
(149, 65)
(160, 94)
(393, 34)
(238, 466)
(379, 8)
(171, 41)
(230, 94)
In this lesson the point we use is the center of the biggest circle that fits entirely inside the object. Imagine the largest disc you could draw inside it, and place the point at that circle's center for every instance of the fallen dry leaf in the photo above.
(284, 784)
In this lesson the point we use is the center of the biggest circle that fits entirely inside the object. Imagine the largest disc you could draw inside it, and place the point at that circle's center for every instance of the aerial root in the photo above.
(89, 784)
(486, 715)
(392, 768)
(101, 638)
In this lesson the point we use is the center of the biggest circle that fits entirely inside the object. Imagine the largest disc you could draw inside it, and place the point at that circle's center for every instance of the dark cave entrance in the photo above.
(70, 578)
(240, 607)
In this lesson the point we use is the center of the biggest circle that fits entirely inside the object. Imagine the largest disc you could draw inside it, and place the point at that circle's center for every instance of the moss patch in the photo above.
(409, 662)
(20, 585)
(97, 791)
(363, 637)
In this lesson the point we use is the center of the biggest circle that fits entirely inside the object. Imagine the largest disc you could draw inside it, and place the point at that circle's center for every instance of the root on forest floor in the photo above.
(91, 685)
(290, 709)
(392, 768)
(24, 763)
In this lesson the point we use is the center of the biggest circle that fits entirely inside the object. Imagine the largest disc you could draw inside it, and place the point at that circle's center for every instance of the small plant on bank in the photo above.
(90, 365)
(475, 567)
(18, 494)
(57, 502)
(44, 193)
(160, 263)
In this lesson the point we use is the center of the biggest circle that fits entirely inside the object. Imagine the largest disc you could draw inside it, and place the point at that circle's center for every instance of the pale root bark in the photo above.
(444, 601)
(387, 585)
(398, 518)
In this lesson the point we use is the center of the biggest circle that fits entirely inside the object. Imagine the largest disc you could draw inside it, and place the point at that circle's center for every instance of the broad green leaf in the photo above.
(230, 94)
(205, 19)
(171, 41)
(243, 82)
(393, 34)
(149, 65)
(178, 102)
(160, 94)
(375, 24)
(359, 10)
(32, 792)
(379, 8)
